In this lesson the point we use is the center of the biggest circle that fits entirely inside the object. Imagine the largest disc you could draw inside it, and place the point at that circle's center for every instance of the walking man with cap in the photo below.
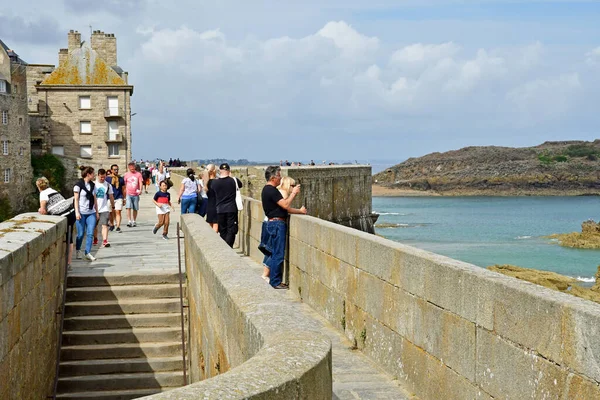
(227, 213)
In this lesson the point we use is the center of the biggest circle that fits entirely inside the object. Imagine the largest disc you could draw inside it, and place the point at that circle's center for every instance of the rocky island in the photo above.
(552, 168)
(588, 238)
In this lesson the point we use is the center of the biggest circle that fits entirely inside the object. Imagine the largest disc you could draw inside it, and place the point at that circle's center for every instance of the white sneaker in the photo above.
(90, 257)
(79, 254)
(133, 223)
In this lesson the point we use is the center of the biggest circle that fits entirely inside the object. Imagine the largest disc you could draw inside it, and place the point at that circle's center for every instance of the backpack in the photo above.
(58, 205)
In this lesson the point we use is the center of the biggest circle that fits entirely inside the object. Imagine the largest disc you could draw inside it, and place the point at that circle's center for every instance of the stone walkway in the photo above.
(137, 250)
(355, 376)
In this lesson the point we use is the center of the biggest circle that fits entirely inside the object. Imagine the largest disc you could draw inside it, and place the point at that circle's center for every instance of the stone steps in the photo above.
(85, 322)
(132, 335)
(107, 293)
(87, 279)
(110, 394)
(129, 306)
(122, 336)
(120, 366)
(141, 380)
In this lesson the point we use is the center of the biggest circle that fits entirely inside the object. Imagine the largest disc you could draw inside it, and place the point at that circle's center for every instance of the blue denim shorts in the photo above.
(133, 202)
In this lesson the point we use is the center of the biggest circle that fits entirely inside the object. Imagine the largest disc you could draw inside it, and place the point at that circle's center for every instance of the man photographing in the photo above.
(276, 210)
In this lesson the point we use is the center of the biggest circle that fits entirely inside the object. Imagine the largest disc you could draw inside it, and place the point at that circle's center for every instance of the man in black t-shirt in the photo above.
(274, 230)
(227, 212)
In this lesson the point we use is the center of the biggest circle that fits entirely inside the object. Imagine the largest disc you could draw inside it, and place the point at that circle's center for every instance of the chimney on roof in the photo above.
(63, 54)
(105, 44)
(74, 39)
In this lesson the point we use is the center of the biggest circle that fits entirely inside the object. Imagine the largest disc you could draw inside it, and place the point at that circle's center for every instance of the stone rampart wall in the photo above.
(243, 343)
(32, 262)
(444, 328)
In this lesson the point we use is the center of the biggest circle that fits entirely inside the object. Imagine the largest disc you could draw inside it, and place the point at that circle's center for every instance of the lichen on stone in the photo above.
(84, 67)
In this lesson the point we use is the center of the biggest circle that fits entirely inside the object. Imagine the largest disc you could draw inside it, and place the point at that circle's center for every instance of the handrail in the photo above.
(185, 382)
(62, 316)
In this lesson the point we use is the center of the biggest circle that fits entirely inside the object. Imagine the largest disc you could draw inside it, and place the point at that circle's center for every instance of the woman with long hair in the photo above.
(188, 193)
(86, 212)
(211, 205)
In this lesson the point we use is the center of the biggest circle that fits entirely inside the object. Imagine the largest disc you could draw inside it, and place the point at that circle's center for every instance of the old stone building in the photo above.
(80, 110)
(15, 154)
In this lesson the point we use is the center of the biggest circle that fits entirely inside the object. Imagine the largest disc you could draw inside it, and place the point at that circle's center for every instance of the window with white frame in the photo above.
(85, 126)
(5, 147)
(113, 150)
(7, 175)
(4, 117)
(112, 102)
(85, 151)
(58, 150)
(21, 151)
(2, 86)
(85, 102)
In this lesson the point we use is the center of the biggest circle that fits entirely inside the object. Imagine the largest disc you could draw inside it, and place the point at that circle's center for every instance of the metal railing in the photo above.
(185, 381)
(61, 311)
(113, 137)
(113, 112)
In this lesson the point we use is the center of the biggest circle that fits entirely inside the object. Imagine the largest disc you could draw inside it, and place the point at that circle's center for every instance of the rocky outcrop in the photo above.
(570, 167)
(588, 238)
(552, 280)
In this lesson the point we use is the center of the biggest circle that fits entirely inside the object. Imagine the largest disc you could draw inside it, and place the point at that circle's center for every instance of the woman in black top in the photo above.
(211, 209)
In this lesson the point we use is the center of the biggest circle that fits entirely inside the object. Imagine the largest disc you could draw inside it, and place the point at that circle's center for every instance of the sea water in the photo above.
(494, 230)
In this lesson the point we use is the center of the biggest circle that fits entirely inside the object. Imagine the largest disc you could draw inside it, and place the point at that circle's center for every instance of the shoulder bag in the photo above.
(238, 196)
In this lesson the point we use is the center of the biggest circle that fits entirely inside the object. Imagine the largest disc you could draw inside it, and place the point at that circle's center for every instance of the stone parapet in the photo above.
(444, 328)
(244, 344)
(32, 262)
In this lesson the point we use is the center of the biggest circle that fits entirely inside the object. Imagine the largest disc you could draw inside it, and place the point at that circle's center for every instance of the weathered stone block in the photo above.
(508, 372)
(580, 329)
(344, 245)
(369, 295)
(529, 315)
(398, 311)
(579, 387)
(446, 336)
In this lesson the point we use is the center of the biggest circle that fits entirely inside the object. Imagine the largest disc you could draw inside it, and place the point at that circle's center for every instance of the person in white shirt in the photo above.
(106, 203)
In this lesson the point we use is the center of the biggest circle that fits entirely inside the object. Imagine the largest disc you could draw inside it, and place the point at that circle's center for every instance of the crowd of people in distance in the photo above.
(312, 163)
(215, 195)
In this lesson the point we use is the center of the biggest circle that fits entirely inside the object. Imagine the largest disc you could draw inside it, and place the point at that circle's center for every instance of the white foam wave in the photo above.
(523, 237)
(586, 279)
(390, 213)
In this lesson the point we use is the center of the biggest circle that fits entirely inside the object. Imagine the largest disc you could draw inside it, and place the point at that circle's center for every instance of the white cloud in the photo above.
(338, 75)
(419, 53)
(592, 57)
(545, 99)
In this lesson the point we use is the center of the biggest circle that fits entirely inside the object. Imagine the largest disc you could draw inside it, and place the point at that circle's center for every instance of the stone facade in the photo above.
(15, 150)
(81, 109)
(32, 265)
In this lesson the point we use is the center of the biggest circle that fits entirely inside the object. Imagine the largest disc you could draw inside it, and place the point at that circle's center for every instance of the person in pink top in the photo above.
(133, 188)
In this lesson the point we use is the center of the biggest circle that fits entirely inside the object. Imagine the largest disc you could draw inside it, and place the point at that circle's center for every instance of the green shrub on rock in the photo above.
(52, 168)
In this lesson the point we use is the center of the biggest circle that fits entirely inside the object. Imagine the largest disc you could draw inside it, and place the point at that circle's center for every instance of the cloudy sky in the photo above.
(337, 79)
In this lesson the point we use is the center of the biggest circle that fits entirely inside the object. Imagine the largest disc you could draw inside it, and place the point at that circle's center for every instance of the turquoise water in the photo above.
(494, 230)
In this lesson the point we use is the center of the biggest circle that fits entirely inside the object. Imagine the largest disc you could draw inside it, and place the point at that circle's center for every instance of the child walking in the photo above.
(162, 199)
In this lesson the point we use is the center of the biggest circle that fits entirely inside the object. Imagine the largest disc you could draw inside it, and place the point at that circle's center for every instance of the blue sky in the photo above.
(351, 79)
